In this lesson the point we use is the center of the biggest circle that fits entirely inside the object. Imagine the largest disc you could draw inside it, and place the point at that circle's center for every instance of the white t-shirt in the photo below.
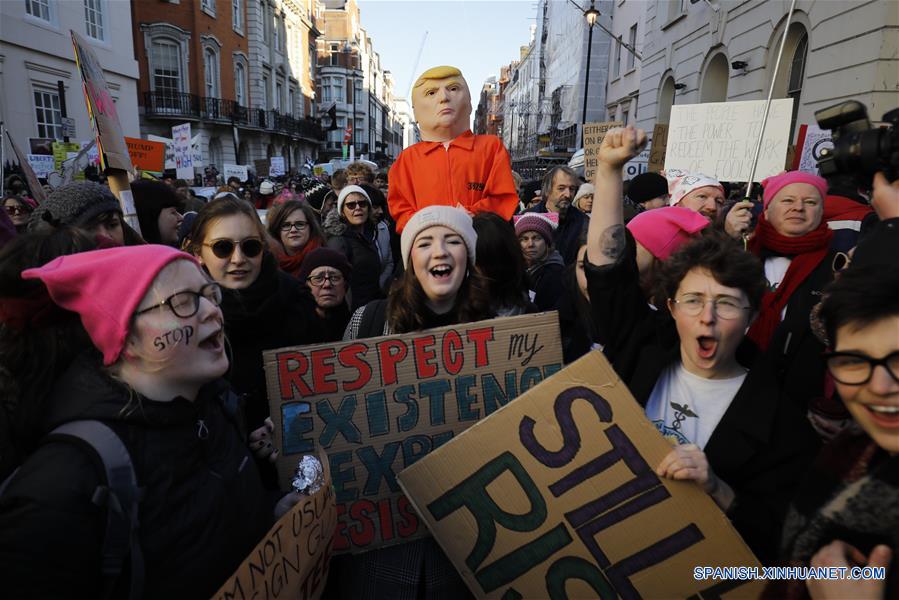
(686, 407)
(775, 269)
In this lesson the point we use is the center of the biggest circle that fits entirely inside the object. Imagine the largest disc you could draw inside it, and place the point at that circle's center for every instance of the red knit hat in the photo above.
(663, 231)
(775, 183)
(104, 287)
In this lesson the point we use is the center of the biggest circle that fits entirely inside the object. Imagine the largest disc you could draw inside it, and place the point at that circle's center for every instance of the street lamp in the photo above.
(591, 14)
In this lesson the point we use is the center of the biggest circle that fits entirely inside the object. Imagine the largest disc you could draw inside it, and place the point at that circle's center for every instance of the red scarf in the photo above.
(807, 251)
(291, 264)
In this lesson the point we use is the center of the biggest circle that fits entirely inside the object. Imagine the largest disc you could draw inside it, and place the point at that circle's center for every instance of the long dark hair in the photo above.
(500, 260)
(279, 214)
(38, 348)
(406, 303)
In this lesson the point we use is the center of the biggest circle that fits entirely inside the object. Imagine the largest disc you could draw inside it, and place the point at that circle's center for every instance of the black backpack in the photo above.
(118, 493)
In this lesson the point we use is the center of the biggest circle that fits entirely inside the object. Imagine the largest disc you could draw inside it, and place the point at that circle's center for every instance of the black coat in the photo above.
(762, 444)
(274, 312)
(361, 249)
(202, 512)
(545, 279)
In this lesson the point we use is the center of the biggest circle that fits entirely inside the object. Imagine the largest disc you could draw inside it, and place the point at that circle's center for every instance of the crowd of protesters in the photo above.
(761, 339)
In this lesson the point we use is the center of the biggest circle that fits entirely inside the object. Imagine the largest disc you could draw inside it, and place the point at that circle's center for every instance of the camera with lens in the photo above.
(859, 149)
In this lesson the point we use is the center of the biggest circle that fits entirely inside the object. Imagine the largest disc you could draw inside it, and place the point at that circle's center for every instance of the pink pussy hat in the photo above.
(681, 183)
(104, 287)
(775, 183)
(663, 231)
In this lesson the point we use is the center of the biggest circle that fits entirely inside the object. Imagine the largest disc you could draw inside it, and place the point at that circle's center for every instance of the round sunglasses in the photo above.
(250, 247)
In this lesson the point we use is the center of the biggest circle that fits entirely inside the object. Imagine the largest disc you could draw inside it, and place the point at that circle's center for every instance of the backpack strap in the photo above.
(120, 497)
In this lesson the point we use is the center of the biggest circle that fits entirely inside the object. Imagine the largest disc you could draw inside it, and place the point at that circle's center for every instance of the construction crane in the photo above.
(412, 76)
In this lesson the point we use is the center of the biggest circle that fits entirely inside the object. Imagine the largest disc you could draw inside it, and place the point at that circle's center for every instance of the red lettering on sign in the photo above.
(453, 356)
(322, 366)
(364, 533)
(425, 366)
(341, 541)
(293, 378)
(386, 510)
(480, 337)
(351, 357)
(409, 523)
(391, 352)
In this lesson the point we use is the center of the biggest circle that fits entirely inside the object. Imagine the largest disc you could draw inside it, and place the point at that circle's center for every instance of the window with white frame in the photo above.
(166, 75)
(616, 68)
(337, 85)
(211, 72)
(48, 114)
(632, 41)
(240, 84)
(291, 101)
(266, 22)
(265, 91)
(237, 15)
(208, 6)
(276, 32)
(93, 19)
(324, 89)
(357, 92)
(39, 9)
(279, 93)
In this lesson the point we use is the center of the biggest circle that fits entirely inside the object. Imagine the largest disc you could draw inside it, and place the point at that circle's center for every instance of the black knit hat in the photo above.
(76, 204)
(375, 195)
(646, 186)
(150, 198)
(324, 257)
(314, 191)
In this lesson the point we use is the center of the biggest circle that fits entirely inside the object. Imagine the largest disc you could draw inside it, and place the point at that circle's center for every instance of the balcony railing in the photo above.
(167, 104)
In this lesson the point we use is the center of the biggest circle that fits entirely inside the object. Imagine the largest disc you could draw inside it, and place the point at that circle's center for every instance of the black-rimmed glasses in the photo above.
(186, 304)
(251, 247)
(319, 280)
(300, 225)
(725, 308)
(853, 368)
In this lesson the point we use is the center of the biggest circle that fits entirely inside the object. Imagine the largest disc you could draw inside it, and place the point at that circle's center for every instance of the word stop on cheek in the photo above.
(174, 336)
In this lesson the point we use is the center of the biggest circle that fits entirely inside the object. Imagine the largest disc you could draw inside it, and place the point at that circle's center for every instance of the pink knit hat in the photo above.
(681, 183)
(775, 183)
(104, 287)
(542, 223)
(664, 230)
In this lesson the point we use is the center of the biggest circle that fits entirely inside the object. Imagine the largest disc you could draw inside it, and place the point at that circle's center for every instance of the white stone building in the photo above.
(834, 51)
(36, 53)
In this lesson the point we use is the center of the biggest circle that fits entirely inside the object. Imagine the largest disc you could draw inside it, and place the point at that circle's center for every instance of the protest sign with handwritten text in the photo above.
(593, 136)
(719, 139)
(556, 496)
(291, 561)
(377, 405)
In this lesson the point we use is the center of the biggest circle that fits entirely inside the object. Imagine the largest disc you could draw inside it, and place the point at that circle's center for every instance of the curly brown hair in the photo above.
(406, 303)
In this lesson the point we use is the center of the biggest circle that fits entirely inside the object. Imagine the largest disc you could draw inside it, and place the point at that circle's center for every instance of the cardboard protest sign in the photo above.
(378, 405)
(276, 166)
(101, 108)
(146, 155)
(292, 560)
(239, 171)
(555, 496)
(719, 138)
(637, 164)
(813, 142)
(657, 149)
(593, 136)
(184, 165)
(37, 191)
(41, 164)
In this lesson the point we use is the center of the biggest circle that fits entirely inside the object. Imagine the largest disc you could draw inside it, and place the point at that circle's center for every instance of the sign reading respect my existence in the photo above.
(719, 138)
(378, 405)
(556, 496)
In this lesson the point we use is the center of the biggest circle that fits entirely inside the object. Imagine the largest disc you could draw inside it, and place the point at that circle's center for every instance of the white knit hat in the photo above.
(681, 183)
(453, 218)
(350, 189)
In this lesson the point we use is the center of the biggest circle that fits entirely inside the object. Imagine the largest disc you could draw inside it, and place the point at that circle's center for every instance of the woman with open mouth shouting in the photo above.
(133, 355)
(264, 307)
(440, 286)
(734, 433)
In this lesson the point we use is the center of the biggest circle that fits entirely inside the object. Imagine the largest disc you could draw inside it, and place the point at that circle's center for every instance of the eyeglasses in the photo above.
(841, 262)
(300, 225)
(725, 308)
(852, 368)
(354, 204)
(16, 210)
(251, 247)
(320, 279)
(186, 304)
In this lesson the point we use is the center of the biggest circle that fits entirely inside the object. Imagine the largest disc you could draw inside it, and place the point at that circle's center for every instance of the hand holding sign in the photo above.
(688, 463)
(619, 146)
(739, 219)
